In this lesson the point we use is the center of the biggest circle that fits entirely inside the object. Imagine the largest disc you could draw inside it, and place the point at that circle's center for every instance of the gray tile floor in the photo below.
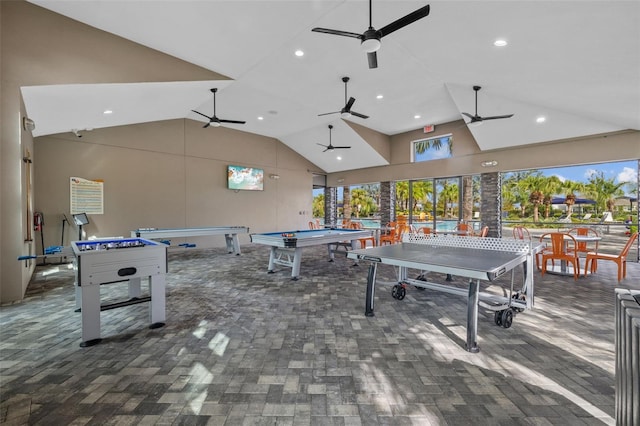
(243, 347)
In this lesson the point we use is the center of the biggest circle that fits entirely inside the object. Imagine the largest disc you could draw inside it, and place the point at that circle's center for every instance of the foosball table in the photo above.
(108, 261)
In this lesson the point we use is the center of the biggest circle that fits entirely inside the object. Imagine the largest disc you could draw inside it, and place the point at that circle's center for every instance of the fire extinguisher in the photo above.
(38, 221)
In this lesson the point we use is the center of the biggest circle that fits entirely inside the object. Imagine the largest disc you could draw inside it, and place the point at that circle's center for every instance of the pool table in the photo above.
(286, 247)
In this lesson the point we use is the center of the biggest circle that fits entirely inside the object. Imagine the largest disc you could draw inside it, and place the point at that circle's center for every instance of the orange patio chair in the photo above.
(425, 230)
(390, 236)
(521, 233)
(363, 241)
(312, 225)
(484, 231)
(583, 246)
(463, 228)
(563, 248)
(619, 259)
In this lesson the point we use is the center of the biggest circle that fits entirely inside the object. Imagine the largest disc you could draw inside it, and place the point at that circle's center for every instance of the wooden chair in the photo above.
(484, 232)
(312, 225)
(363, 241)
(583, 246)
(563, 248)
(619, 259)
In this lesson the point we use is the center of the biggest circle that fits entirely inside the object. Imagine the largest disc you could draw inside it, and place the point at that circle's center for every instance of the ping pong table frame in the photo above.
(230, 234)
(504, 307)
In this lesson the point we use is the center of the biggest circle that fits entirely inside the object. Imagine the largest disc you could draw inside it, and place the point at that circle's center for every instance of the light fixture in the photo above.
(370, 41)
(491, 163)
(475, 123)
(274, 176)
(416, 116)
(260, 118)
(500, 42)
(338, 158)
(340, 180)
(379, 96)
(299, 53)
(28, 124)
(541, 119)
(107, 111)
(215, 124)
(345, 114)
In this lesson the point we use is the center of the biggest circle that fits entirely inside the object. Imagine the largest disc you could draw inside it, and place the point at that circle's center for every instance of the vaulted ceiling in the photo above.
(576, 63)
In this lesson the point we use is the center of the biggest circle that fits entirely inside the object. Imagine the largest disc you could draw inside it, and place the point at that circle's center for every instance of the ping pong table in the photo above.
(477, 259)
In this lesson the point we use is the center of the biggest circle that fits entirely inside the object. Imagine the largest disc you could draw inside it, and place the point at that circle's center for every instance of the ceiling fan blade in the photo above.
(357, 114)
(404, 21)
(232, 121)
(327, 113)
(337, 32)
(341, 147)
(327, 149)
(349, 104)
(201, 114)
(497, 117)
(469, 115)
(206, 125)
(373, 60)
(326, 146)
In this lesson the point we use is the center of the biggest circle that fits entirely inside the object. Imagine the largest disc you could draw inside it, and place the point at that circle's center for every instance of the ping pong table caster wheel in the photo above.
(497, 317)
(398, 292)
(507, 318)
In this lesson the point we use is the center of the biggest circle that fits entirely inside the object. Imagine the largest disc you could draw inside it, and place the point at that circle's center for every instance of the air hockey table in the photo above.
(109, 261)
(478, 259)
(230, 234)
(286, 247)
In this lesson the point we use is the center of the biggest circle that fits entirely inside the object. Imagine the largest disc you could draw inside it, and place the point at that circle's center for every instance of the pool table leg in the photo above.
(297, 259)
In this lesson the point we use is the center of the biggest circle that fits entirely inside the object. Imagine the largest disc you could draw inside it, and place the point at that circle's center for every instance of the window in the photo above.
(432, 148)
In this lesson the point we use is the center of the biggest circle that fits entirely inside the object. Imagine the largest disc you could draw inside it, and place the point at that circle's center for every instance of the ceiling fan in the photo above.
(370, 39)
(330, 147)
(478, 119)
(215, 121)
(346, 111)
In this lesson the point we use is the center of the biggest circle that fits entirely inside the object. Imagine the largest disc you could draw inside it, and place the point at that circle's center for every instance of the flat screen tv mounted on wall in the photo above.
(245, 178)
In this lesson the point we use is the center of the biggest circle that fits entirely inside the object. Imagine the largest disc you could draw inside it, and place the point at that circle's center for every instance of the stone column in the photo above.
(387, 202)
(491, 205)
(330, 205)
(346, 204)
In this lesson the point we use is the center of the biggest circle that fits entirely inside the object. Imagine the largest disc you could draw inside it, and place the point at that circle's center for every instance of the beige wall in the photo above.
(171, 174)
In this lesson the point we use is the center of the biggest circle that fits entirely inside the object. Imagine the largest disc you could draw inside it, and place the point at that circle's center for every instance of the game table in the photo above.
(108, 261)
(286, 247)
(474, 258)
(230, 234)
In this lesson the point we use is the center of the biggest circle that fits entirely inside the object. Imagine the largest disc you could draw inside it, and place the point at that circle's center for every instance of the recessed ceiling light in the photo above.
(500, 42)
(379, 97)
(107, 111)
(339, 158)
(299, 53)
(261, 118)
(541, 119)
(416, 116)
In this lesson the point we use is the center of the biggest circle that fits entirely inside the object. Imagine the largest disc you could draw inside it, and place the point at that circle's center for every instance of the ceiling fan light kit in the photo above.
(370, 40)
(331, 147)
(346, 112)
(214, 121)
(476, 119)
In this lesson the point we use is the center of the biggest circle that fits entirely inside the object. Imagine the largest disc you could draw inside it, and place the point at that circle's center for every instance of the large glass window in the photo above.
(433, 148)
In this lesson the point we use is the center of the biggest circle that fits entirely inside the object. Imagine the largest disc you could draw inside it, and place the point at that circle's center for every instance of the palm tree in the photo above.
(402, 195)
(422, 146)
(534, 184)
(569, 188)
(467, 198)
(604, 190)
(361, 203)
(318, 205)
